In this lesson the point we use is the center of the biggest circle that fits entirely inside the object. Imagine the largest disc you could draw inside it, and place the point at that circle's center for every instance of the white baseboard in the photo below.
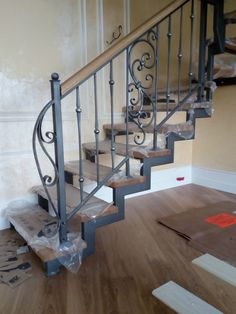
(167, 178)
(214, 178)
(160, 180)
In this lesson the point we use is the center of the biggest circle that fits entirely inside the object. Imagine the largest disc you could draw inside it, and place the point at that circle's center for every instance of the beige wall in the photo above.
(143, 10)
(215, 144)
(37, 38)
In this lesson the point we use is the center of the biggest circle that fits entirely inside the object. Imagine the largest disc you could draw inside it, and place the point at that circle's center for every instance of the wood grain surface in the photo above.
(133, 257)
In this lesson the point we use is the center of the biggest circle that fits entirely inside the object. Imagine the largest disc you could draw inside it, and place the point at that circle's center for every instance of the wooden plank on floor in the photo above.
(217, 267)
(181, 300)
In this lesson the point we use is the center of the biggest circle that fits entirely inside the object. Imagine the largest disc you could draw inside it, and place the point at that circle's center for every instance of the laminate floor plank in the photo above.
(133, 257)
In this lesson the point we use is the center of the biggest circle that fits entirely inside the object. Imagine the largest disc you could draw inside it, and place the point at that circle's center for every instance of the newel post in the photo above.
(59, 154)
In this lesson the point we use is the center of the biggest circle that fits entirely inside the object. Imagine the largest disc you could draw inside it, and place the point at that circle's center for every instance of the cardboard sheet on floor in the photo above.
(221, 244)
(210, 229)
(14, 278)
(13, 268)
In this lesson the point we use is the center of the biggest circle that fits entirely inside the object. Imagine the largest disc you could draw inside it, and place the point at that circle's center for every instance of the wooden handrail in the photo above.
(110, 53)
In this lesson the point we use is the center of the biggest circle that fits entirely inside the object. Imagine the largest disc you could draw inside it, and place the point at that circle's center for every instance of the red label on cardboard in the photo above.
(223, 220)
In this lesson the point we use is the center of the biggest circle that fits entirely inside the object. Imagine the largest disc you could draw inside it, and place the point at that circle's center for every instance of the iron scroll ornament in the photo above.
(42, 138)
(115, 35)
(143, 81)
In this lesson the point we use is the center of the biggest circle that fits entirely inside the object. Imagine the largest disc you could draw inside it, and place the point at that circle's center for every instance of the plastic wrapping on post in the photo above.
(187, 134)
(70, 253)
(29, 220)
(200, 105)
(211, 85)
(95, 209)
(224, 66)
(184, 130)
(210, 111)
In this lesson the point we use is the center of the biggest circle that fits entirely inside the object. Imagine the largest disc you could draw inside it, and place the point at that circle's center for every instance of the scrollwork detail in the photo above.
(141, 71)
(42, 139)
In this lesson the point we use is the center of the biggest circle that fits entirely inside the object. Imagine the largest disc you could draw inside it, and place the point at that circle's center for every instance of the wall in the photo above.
(214, 146)
(37, 38)
(41, 38)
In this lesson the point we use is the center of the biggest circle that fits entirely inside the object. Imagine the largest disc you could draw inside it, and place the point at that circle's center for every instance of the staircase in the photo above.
(147, 135)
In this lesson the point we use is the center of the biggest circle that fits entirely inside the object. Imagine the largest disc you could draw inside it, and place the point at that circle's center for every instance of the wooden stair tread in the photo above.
(161, 107)
(134, 151)
(230, 44)
(30, 221)
(230, 17)
(90, 172)
(177, 128)
(121, 127)
(126, 181)
(94, 206)
(89, 169)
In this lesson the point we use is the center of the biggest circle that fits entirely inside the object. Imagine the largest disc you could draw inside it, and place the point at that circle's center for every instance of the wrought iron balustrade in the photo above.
(145, 66)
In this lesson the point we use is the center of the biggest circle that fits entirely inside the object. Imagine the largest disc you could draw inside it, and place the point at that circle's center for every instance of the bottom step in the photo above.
(29, 221)
(94, 208)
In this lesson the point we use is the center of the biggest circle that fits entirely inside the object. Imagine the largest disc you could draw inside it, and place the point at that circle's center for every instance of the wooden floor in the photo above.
(133, 257)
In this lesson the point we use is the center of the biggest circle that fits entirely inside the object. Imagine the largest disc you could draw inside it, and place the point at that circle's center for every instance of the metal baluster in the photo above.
(169, 35)
(156, 91)
(191, 46)
(96, 129)
(180, 55)
(78, 116)
(218, 45)
(127, 114)
(202, 50)
(59, 155)
(111, 83)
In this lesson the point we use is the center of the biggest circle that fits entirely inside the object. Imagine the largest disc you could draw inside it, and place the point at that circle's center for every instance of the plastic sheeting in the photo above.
(224, 66)
(40, 231)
